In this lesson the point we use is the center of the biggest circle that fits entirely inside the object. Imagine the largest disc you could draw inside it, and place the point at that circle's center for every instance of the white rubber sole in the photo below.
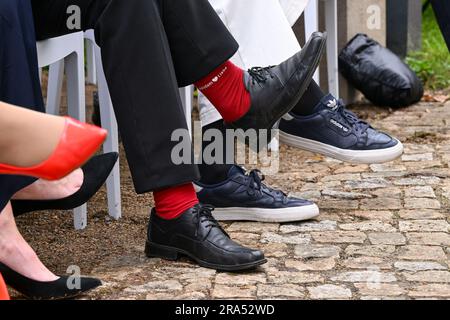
(267, 215)
(352, 156)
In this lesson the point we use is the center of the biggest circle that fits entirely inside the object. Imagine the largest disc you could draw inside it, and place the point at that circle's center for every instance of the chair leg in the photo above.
(187, 94)
(55, 81)
(91, 67)
(111, 144)
(332, 46)
(76, 100)
(312, 25)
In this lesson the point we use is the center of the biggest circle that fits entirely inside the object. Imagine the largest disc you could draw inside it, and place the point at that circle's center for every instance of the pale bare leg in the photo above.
(27, 137)
(52, 190)
(17, 254)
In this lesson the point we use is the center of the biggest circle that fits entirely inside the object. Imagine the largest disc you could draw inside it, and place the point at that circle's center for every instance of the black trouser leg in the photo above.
(217, 172)
(149, 49)
(19, 79)
(442, 10)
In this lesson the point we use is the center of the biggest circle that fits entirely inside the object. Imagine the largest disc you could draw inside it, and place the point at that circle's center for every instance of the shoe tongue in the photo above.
(236, 170)
(327, 102)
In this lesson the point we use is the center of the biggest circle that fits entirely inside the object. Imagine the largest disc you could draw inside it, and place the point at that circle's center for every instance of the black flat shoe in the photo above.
(196, 234)
(54, 290)
(95, 171)
(276, 90)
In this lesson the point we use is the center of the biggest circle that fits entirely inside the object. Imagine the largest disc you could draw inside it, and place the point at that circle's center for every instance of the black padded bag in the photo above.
(379, 74)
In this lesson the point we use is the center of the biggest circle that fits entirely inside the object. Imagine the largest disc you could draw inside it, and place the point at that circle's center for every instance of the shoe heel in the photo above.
(3, 290)
(153, 250)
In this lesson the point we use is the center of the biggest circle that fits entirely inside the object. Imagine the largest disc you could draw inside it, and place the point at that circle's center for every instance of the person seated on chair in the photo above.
(150, 48)
(319, 122)
(26, 138)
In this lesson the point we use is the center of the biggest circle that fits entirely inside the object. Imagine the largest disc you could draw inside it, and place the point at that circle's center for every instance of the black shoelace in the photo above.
(255, 184)
(204, 215)
(352, 119)
(260, 75)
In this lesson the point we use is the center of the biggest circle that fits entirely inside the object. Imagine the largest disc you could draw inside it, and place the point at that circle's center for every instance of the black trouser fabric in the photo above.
(149, 49)
(442, 11)
(19, 78)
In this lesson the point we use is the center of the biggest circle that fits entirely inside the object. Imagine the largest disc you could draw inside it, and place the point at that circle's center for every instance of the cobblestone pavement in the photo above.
(383, 232)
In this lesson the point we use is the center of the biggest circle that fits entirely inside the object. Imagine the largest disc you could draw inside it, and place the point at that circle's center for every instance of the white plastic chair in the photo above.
(66, 52)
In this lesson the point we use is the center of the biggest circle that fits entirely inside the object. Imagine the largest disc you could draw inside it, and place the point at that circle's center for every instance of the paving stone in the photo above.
(430, 290)
(418, 266)
(240, 279)
(381, 175)
(246, 239)
(420, 192)
(365, 276)
(156, 286)
(276, 250)
(387, 167)
(309, 195)
(379, 289)
(311, 265)
(253, 227)
(282, 277)
(345, 195)
(295, 239)
(420, 215)
(422, 203)
(325, 225)
(446, 193)
(395, 239)
(370, 251)
(352, 169)
(381, 204)
(372, 215)
(392, 193)
(424, 226)
(428, 276)
(368, 226)
(418, 181)
(373, 183)
(329, 291)
(416, 252)
(339, 204)
(342, 177)
(434, 238)
(316, 251)
(417, 157)
(366, 263)
(279, 291)
(339, 237)
(227, 292)
(417, 148)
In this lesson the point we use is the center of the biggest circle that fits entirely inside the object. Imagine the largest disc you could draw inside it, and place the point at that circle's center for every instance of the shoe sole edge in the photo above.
(281, 215)
(351, 156)
(154, 250)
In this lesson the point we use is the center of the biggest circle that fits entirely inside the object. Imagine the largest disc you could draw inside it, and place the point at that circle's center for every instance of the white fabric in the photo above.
(263, 29)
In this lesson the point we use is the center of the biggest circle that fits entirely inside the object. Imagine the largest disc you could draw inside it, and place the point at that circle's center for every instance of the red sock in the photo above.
(225, 89)
(170, 203)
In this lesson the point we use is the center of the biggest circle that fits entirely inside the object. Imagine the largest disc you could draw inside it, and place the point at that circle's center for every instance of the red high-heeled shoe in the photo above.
(77, 144)
(3, 290)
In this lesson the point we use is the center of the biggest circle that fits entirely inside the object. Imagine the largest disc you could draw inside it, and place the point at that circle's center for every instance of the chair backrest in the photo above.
(55, 49)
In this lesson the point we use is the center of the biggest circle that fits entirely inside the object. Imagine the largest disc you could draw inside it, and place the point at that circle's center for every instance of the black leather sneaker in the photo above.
(197, 235)
(244, 197)
(275, 90)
